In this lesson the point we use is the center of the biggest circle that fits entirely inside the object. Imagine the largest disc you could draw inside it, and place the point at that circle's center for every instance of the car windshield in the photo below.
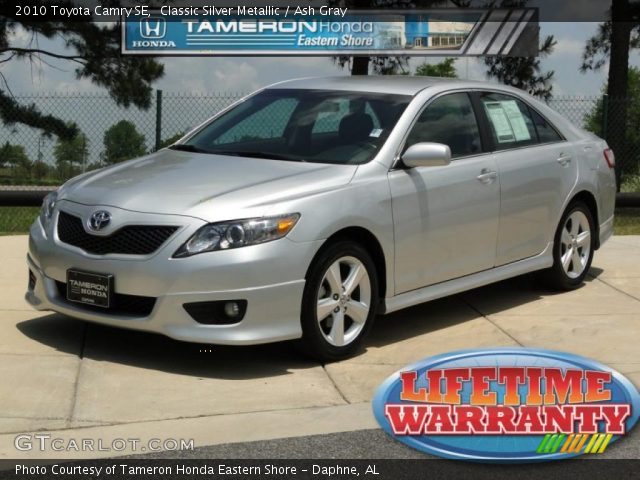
(303, 125)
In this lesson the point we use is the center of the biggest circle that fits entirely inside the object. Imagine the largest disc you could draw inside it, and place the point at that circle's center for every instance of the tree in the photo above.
(613, 42)
(446, 68)
(94, 50)
(121, 142)
(594, 119)
(71, 155)
(94, 166)
(171, 140)
(524, 72)
(16, 159)
(39, 170)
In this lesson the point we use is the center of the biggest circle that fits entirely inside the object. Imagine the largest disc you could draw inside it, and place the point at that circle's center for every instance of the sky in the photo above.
(244, 74)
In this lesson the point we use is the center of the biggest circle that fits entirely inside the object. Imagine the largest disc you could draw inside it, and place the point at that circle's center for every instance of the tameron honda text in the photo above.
(507, 405)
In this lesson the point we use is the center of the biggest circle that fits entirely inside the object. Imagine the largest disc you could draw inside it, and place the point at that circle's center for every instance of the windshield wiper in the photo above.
(258, 154)
(185, 147)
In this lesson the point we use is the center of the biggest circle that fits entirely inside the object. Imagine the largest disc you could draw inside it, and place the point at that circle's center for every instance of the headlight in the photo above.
(46, 212)
(237, 233)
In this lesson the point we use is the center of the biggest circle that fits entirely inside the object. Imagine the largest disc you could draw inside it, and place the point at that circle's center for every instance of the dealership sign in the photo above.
(507, 405)
(196, 31)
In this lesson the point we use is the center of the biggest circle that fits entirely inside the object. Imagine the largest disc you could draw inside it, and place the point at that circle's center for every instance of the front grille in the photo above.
(129, 240)
(130, 305)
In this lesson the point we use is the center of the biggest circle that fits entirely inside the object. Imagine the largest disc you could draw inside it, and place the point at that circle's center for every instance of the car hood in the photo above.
(205, 186)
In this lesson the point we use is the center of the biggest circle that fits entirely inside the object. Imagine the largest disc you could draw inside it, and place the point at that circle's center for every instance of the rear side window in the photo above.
(450, 120)
(546, 133)
(510, 121)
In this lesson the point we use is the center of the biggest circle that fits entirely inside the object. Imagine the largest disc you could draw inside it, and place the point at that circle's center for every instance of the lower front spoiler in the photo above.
(273, 313)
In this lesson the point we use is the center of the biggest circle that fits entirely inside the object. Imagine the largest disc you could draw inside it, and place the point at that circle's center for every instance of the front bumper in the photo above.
(270, 277)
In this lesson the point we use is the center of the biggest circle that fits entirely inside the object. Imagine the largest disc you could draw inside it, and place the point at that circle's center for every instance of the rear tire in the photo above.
(573, 247)
(339, 302)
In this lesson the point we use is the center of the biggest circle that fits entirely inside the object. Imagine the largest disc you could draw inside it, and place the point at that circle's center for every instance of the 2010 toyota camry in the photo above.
(310, 206)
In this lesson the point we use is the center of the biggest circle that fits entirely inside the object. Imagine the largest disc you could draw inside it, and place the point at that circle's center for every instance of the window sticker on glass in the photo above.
(376, 132)
(500, 121)
(514, 114)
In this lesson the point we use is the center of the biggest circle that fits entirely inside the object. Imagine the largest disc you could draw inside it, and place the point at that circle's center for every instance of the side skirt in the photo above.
(451, 287)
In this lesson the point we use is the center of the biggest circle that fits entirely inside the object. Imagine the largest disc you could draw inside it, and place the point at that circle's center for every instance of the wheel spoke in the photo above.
(354, 278)
(584, 239)
(357, 311)
(337, 329)
(566, 237)
(577, 261)
(334, 279)
(325, 307)
(566, 259)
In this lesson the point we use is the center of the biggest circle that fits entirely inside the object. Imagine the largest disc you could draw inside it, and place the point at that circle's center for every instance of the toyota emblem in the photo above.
(99, 220)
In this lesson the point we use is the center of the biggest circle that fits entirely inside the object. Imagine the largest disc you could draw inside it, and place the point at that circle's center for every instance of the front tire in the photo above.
(339, 302)
(573, 248)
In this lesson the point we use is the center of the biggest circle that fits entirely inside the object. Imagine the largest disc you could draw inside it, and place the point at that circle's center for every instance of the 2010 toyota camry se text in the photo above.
(310, 206)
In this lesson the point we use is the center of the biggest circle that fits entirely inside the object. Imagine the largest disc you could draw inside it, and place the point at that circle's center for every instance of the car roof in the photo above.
(391, 84)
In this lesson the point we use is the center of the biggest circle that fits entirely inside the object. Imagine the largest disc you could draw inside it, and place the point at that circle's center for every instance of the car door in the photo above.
(445, 218)
(537, 171)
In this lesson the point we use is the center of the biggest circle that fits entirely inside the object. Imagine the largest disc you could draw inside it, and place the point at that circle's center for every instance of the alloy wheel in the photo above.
(344, 301)
(575, 244)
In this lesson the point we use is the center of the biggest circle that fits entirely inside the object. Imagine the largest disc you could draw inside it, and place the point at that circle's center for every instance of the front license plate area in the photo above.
(89, 288)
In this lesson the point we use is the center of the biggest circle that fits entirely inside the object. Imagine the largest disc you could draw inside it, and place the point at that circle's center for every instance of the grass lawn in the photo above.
(16, 220)
(627, 221)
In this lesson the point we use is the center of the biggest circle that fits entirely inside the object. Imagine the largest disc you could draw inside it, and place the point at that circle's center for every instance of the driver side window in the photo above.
(450, 120)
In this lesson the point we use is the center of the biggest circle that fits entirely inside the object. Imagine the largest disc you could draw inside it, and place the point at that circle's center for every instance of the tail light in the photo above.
(609, 157)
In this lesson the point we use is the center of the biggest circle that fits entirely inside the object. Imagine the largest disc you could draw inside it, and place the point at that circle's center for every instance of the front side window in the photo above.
(303, 125)
(450, 120)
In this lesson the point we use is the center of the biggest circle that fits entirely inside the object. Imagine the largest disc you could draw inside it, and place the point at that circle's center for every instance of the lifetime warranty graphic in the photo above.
(507, 405)
(423, 32)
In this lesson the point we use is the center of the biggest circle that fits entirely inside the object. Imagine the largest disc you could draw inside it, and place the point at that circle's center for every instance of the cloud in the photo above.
(569, 47)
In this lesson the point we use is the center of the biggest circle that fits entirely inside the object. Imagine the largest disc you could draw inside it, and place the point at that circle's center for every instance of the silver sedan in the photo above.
(310, 206)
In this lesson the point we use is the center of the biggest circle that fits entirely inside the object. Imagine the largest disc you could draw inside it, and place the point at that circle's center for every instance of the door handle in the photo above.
(487, 176)
(564, 160)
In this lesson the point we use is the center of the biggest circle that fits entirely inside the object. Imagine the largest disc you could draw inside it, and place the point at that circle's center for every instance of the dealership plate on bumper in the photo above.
(89, 288)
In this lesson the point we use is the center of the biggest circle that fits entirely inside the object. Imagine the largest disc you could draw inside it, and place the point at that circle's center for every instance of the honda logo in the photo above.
(153, 27)
(99, 220)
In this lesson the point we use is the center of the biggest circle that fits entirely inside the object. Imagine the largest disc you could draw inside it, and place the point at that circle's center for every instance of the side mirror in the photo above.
(427, 155)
